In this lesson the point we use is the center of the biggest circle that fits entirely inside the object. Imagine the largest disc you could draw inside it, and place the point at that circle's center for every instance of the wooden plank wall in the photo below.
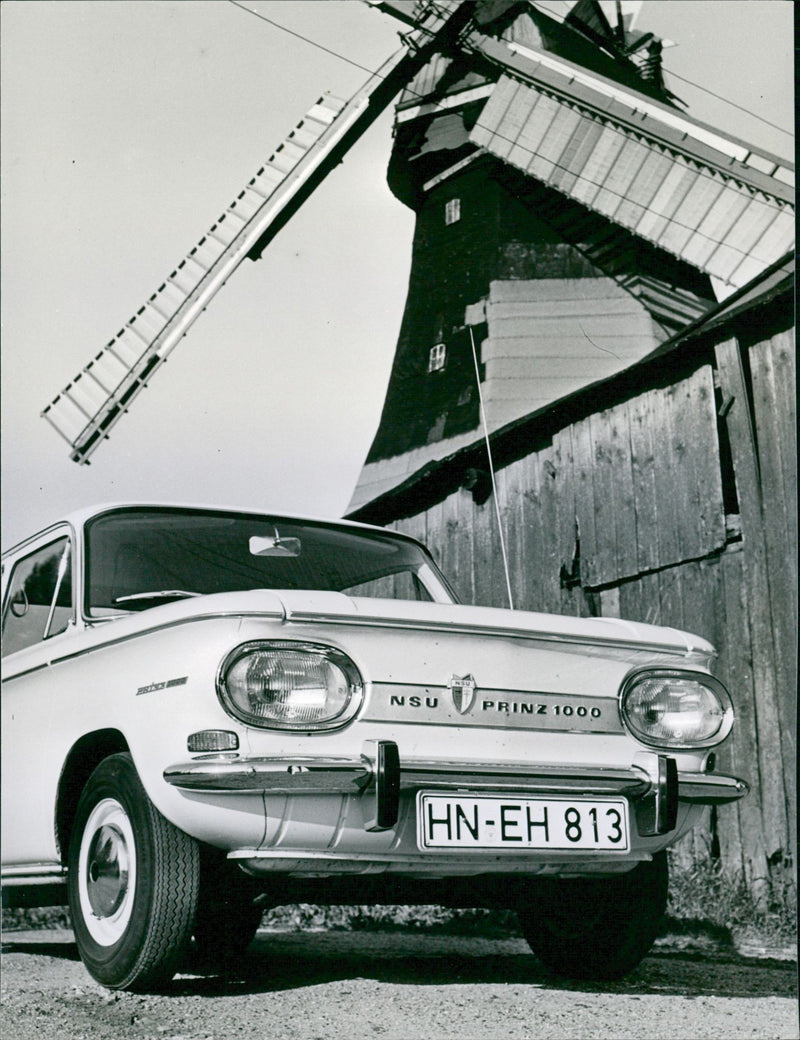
(632, 489)
(629, 501)
(761, 427)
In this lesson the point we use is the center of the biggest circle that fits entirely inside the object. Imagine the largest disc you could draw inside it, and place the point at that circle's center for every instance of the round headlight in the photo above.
(299, 686)
(676, 709)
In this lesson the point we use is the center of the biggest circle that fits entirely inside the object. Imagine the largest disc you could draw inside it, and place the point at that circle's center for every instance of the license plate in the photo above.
(500, 822)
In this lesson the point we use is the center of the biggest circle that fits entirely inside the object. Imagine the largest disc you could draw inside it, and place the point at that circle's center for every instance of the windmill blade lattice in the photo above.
(97, 398)
(89, 406)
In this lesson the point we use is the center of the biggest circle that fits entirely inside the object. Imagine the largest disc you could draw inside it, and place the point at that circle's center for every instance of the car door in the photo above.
(38, 613)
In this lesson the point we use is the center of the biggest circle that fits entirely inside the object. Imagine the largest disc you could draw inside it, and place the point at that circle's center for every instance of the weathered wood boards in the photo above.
(638, 486)
(623, 514)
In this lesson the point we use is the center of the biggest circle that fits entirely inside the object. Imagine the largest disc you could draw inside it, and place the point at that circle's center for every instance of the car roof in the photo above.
(79, 517)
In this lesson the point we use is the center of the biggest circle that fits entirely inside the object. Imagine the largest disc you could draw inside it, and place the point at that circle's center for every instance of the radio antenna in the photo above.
(491, 469)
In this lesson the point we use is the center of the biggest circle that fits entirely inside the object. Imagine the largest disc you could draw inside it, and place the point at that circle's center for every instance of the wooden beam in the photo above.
(773, 379)
(775, 774)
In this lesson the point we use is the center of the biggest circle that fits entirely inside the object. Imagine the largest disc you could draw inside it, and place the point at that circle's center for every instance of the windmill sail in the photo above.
(94, 401)
(87, 408)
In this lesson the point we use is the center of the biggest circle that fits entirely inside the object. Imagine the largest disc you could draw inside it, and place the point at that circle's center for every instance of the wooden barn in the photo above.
(572, 225)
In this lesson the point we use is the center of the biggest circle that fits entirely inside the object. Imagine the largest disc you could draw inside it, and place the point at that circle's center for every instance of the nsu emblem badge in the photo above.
(462, 692)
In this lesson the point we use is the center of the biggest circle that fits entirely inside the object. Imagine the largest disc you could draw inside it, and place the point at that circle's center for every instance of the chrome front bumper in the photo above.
(379, 777)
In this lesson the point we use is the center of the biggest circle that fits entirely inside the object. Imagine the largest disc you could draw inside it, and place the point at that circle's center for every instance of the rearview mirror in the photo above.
(274, 546)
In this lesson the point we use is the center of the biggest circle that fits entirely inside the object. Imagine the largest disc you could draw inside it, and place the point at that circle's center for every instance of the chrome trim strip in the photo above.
(34, 873)
(25, 671)
(160, 626)
(283, 775)
(494, 708)
(675, 649)
(710, 788)
(535, 782)
(35, 880)
(288, 775)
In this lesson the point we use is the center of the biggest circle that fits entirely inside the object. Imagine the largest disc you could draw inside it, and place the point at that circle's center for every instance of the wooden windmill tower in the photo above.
(557, 188)
(569, 218)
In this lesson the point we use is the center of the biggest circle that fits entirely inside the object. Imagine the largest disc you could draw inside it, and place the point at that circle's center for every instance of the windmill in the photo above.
(582, 134)
(86, 410)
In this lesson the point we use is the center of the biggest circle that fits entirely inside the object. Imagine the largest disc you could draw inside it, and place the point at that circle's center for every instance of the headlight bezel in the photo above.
(656, 672)
(333, 655)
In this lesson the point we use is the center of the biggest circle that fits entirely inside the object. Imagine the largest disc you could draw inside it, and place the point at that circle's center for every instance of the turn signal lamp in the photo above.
(212, 740)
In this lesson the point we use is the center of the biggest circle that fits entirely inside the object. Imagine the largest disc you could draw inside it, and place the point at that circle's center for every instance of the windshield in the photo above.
(138, 558)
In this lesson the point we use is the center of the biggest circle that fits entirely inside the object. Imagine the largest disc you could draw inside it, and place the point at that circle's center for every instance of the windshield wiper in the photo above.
(160, 594)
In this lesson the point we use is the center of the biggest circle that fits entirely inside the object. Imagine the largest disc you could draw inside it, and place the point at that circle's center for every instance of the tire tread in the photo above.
(163, 916)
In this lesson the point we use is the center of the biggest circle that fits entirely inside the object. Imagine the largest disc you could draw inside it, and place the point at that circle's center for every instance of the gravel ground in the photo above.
(400, 986)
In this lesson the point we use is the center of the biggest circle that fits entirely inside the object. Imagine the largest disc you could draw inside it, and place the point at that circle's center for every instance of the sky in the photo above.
(128, 126)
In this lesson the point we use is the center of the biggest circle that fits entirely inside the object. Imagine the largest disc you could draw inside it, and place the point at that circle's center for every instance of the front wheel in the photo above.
(133, 882)
(596, 928)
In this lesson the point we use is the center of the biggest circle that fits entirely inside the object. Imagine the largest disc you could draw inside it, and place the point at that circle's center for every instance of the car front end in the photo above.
(441, 740)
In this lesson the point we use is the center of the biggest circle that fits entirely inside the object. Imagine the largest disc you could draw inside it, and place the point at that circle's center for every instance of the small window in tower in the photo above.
(452, 211)
(436, 358)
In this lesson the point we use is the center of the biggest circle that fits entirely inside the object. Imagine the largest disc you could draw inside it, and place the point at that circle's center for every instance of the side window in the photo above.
(437, 358)
(452, 211)
(39, 600)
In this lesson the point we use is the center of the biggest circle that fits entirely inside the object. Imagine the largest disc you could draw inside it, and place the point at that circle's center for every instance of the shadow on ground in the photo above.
(294, 961)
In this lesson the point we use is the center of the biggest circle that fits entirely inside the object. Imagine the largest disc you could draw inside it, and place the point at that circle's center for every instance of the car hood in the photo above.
(309, 608)
(336, 609)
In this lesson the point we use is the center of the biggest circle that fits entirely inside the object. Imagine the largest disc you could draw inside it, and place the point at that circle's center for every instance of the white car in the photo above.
(209, 712)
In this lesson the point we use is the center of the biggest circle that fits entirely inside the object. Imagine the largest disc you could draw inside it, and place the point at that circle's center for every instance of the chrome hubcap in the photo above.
(107, 872)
